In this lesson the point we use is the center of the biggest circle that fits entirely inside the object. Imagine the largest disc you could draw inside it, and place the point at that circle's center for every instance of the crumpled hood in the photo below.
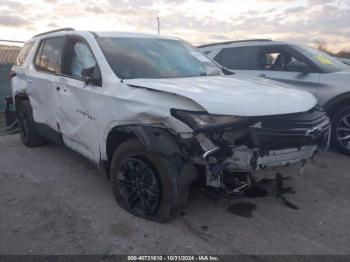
(233, 96)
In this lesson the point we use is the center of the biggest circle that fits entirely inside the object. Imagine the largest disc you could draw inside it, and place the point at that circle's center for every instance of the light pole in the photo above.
(158, 23)
(12, 41)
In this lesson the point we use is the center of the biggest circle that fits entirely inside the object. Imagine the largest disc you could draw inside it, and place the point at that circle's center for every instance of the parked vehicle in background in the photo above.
(300, 66)
(345, 60)
(157, 114)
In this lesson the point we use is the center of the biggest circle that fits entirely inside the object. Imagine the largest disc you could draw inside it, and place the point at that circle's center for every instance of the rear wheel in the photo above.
(341, 130)
(145, 183)
(26, 125)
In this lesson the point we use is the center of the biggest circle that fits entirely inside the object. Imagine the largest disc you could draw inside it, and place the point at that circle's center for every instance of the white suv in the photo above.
(157, 115)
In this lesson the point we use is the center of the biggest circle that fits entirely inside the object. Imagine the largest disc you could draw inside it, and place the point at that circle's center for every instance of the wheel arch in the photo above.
(155, 139)
(337, 103)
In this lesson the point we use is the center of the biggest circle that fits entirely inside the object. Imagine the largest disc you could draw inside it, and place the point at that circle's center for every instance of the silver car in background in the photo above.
(345, 60)
(300, 66)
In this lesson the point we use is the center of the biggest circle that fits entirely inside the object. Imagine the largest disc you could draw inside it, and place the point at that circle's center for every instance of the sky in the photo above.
(197, 21)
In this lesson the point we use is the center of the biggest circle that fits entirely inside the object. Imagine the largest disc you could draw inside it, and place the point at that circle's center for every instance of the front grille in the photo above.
(303, 120)
(293, 130)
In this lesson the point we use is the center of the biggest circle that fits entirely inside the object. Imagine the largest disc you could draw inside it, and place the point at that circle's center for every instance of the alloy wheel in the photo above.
(343, 132)
(139, 186)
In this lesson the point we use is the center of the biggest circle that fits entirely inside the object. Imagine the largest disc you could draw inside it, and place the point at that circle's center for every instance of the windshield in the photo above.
(327, 63)
(133, 57)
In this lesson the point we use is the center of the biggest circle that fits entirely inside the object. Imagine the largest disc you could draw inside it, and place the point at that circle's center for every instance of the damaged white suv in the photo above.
(157, 115)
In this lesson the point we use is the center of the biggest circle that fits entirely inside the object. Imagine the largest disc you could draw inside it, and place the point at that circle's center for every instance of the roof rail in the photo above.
(54, 31)
(237, 41)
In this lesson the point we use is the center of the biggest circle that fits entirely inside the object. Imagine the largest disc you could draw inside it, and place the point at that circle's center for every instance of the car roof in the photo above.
(70, 31)
(240, 43)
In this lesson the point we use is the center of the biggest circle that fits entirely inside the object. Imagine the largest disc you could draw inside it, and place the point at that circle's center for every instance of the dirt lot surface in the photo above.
(52, 201)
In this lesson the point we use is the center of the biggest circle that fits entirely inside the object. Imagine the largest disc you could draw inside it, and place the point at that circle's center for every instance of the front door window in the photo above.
(83, 61)
(277, 59)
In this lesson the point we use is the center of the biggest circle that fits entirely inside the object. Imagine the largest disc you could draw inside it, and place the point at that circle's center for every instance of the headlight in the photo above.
(203, 121)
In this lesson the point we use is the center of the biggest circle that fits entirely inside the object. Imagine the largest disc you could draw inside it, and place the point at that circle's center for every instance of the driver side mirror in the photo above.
(297, 66)
(92, 76)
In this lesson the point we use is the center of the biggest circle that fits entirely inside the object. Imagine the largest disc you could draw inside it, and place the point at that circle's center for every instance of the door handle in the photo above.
(262, 75)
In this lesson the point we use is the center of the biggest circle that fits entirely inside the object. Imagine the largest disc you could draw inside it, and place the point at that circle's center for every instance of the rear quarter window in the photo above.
(236, 57)
(24, 53)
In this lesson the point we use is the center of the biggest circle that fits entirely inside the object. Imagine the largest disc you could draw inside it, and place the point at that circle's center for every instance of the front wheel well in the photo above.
(154, 139)
(336, 104)
(114, 140)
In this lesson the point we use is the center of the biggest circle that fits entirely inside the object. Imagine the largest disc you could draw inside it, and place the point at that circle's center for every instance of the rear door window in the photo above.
(24, 53)
(239, 58)
(49, 55)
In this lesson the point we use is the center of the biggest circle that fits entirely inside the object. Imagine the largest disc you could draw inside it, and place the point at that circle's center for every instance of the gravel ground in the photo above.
(52, 201)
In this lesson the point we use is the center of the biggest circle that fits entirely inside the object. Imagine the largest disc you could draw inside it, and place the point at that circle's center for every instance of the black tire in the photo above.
(171, 193)
(339, 130)
(26, 125)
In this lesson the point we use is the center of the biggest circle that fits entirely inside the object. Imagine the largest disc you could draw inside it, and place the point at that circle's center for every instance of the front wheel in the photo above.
(145, 183)
(341, 130)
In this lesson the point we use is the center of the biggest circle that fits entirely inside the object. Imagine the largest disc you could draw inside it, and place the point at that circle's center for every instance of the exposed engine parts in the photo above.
(234, 158)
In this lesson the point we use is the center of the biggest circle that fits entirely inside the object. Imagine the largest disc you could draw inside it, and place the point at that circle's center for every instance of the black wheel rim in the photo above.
(23, 125)
(343, 132)
(139, 186)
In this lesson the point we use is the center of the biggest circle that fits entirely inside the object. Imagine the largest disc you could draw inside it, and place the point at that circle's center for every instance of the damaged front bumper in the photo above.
(267, 146)
(247, 160)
